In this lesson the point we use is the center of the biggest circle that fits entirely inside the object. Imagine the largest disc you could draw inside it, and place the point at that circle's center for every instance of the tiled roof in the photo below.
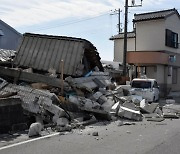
(121, 36)
(154, 15)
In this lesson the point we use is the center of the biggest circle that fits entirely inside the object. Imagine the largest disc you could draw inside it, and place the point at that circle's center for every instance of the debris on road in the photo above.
(44, 94)
(95, 134)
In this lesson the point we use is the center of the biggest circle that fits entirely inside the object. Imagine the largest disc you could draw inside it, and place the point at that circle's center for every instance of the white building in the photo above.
(154, 48)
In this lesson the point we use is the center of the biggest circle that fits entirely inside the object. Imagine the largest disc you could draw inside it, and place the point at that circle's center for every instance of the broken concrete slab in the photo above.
(130, 105)
(102, 99)
(119, 91)
(115, 109)
(148, 108)
(159, 119)
(87, 82)
(96, 96)
(151, 115)
(129, 113)
(95, 73)
(87, 122)
(170, 115)
(108, 105)
(171, 108)
(31, 77)
(56, 110)
(99, 83)
(158, 111)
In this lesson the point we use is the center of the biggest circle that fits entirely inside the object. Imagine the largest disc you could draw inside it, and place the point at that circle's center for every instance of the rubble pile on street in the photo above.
(66, 88)
(85, 100)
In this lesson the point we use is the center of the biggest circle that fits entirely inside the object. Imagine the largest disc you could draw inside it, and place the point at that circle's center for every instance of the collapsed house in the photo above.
(45, 52)
(60, 82)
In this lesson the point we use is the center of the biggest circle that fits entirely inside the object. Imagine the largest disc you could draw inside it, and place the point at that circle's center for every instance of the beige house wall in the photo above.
(151, 72)
(160, 74)
(156, 72)
(119, 47)
(150, 35)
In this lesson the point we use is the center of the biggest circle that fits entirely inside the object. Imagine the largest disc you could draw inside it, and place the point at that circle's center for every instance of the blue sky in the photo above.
(87, 19)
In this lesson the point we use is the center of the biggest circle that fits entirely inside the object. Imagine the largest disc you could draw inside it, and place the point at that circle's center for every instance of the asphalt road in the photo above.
(142, 138)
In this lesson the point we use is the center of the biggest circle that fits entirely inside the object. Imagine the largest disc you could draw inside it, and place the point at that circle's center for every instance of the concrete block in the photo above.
(119, 91)
(156, 119)
(130, 105)
(130, 114)
(56, 110)
(170, 115)
(102, 99)
(88, 104)
(35, 129)
(148, 108)
(96, 96)
(108, 105)
(115, 108)
(74, 100)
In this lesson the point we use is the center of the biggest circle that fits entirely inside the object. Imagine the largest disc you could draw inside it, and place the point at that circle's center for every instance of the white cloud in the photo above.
(19, 13)
(25, 13)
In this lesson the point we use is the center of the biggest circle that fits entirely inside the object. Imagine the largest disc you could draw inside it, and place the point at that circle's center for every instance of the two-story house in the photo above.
(9, 37)
(153, 48)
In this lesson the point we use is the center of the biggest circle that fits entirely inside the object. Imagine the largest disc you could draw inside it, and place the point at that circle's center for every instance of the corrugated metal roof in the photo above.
(42, 52)
(6, 54)
(154, 15)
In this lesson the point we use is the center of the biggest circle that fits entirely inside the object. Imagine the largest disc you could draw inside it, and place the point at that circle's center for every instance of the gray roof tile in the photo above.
(154, 15)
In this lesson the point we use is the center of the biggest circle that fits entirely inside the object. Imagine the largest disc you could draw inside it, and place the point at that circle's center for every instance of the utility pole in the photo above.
(119, 21)
(118, 12)
(125, 33)
(125, 38)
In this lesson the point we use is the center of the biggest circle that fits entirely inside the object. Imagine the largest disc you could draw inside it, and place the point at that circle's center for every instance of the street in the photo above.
(140, 138)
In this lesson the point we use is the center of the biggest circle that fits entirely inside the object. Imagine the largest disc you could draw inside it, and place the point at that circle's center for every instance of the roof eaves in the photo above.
(176, 12)
(148, 19)
(10, 27)
(121, 36)
(155, 12)
(155, 18)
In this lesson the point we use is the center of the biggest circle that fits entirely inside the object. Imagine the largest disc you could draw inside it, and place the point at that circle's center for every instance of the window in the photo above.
(141, 84)
(171, 39)
(174, 76)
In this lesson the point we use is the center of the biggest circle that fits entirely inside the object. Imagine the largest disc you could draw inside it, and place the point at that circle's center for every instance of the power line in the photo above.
(71, 22)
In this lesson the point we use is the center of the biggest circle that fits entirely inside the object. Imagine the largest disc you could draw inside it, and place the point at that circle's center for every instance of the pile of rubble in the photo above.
(84, 100)
(59, 83)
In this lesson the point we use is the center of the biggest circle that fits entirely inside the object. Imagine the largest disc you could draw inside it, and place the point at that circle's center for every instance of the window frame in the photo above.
(171, 39)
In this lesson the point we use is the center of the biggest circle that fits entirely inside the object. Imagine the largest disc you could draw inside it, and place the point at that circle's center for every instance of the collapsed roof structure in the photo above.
(44, 52)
